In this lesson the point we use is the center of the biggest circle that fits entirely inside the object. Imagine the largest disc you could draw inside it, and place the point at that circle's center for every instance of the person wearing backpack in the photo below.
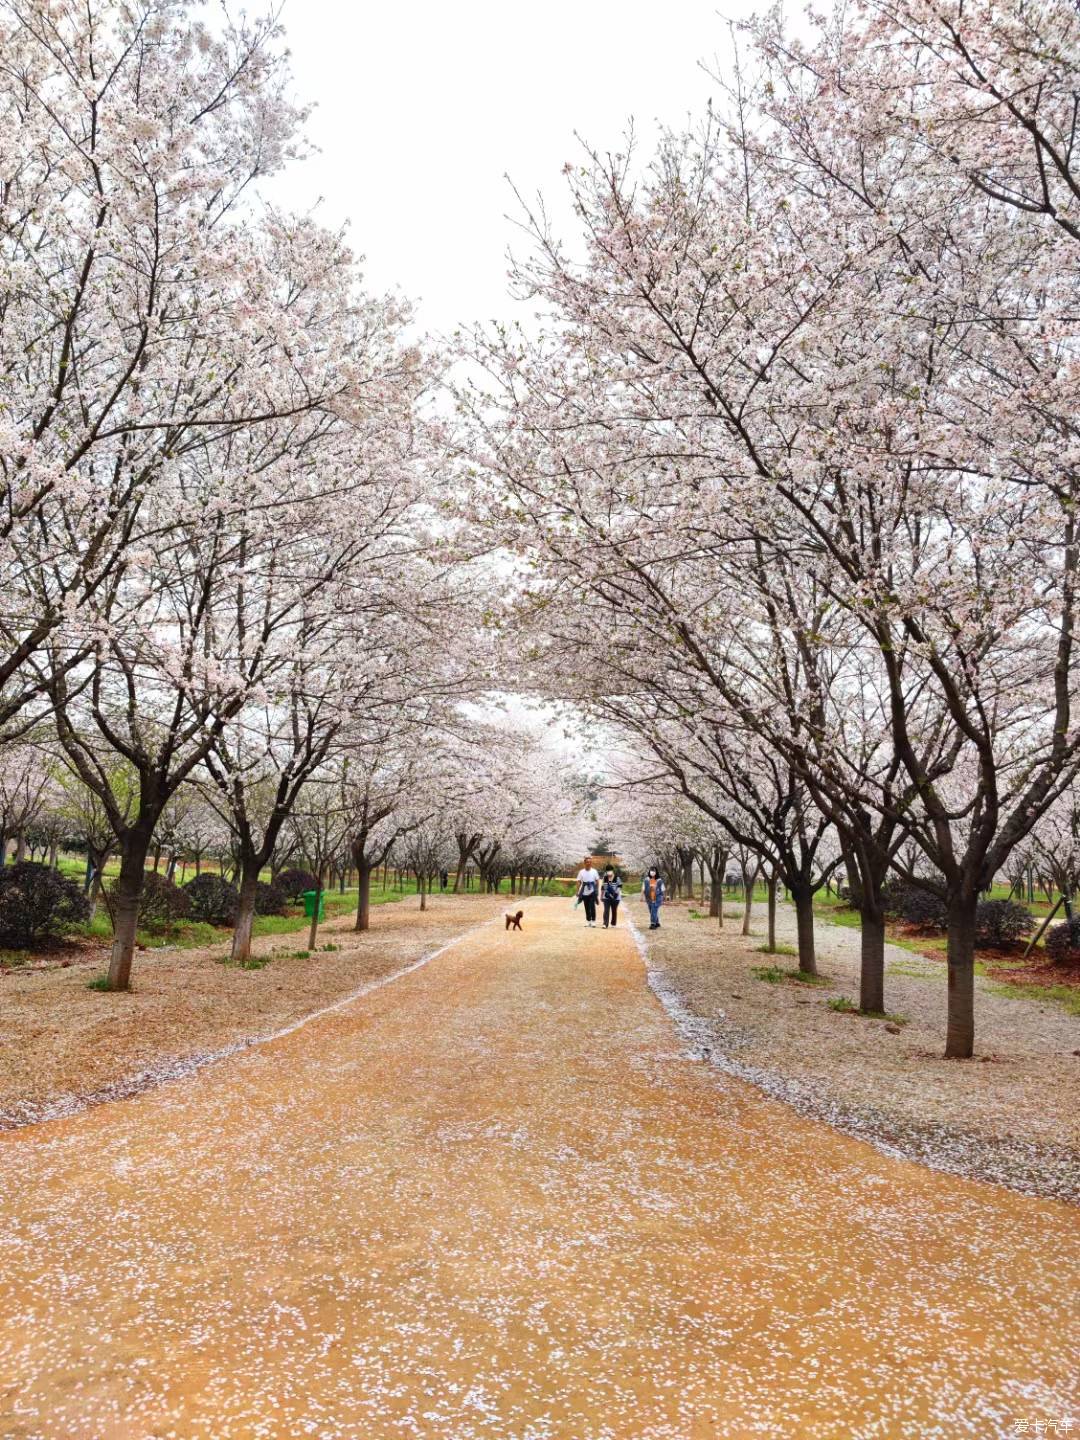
(611, 894)
(652, 889)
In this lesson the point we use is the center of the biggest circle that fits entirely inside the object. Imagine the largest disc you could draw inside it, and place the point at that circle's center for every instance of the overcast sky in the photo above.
(423, 108)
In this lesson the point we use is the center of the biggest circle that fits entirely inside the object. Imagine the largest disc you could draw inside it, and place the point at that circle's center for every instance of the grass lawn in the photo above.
(835, 911)
(194, 934)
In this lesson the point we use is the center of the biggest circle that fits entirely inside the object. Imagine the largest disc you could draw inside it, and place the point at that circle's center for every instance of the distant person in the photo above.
(611, 894)
(652, 888)
(588, 890)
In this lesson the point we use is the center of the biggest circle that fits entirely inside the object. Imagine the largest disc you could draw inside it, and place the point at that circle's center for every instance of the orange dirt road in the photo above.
(493, 1201)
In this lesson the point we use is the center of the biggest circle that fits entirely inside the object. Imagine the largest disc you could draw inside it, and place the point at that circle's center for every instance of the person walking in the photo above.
(652, 888)
(611, 894)
(588, 890)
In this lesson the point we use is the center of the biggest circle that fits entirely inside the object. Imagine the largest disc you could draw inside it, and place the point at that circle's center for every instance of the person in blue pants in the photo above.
(652, 889)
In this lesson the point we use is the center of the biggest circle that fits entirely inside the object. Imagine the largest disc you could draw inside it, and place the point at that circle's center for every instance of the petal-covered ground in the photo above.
(1012, 1116)
(494, 1201)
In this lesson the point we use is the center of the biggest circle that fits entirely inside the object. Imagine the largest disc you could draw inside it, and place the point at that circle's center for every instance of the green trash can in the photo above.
(309, 903)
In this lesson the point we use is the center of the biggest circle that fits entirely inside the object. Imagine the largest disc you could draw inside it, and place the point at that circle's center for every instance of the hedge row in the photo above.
(36, 901)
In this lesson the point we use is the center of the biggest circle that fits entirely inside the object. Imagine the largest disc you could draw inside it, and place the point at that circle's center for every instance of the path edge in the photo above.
(169, 1071)
(712, 1040)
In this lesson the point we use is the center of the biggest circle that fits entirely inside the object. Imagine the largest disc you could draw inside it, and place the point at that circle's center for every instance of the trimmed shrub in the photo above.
(1000, 924)
(269, 900)
(1063, 942)
(212, 898)
(161, 902)
(293, 883)
(36, 901)
(915, 906)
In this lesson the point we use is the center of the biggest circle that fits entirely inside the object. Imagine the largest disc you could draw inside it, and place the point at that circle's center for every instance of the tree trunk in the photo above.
(245, 911)
(872, 961)
(960, 1028)
(804, 922)
(133, 854)
(363, 899)
(20, 848)
(771, 886)
(748, 902)
(717, 874)
(3, 847)
(420, 888)
(95, 876)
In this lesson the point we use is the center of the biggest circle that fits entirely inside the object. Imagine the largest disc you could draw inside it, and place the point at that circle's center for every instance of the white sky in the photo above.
(423, 108)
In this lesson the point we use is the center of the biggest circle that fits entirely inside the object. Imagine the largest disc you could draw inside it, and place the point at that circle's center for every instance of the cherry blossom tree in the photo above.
(197, 395)
(351, 687)
(199, 831)
(319, 822)
(27, 788)
(141, 319)
(791, 351)
(1054, 849)
(402, 777)
(233, 611)
(944, 143)
(996, 90)
(426, 848)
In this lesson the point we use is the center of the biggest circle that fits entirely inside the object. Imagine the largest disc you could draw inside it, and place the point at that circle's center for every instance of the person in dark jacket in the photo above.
(652, 889)
(611, 894)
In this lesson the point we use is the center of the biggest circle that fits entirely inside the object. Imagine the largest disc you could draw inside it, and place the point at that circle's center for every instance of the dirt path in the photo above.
(492, 1201)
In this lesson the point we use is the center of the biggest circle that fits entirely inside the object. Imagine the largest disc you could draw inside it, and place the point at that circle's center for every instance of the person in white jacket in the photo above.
(588, 890)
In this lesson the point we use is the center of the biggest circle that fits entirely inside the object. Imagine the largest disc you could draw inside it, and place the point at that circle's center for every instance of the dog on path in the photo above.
(513, 922)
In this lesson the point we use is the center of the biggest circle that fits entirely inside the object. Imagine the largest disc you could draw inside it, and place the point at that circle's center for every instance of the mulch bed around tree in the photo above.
(1013, 969)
